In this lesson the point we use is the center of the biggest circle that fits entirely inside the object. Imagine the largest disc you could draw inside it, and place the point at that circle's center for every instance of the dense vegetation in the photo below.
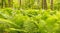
(29, 21)
(29, 16)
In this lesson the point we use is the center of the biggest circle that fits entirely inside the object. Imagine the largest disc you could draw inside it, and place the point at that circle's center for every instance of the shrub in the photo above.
(29, 21)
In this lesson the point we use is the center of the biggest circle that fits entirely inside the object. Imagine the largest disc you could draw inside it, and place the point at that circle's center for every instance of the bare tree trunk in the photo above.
(6, 3)
(10, 3)
(2, 4)
(51, 4)
(38, 4)
(44, 4)
(19, 4)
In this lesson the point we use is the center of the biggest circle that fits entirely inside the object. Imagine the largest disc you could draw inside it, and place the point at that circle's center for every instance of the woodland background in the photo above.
(34, 4)
(29, 16)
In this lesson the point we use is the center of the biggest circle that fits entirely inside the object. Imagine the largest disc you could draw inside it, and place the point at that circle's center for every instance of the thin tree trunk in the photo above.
(2, 4)
(6, 3)
(19, 4)
(10, 3)
(51, 4)
(38, 4)
(44, 4)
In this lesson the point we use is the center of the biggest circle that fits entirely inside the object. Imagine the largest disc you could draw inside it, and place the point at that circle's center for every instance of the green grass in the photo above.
(29, 21)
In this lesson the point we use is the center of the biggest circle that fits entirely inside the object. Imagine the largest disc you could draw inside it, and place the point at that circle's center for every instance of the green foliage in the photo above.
(29, 21)
(30, 18)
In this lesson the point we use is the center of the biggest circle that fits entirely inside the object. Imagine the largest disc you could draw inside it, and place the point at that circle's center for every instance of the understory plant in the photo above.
(29, 21)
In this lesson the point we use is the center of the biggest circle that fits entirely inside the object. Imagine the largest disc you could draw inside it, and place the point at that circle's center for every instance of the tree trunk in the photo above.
(2, 4)
(44, 4)
(51, 4)
(38, 4)
(19, 4)
(10, 3)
